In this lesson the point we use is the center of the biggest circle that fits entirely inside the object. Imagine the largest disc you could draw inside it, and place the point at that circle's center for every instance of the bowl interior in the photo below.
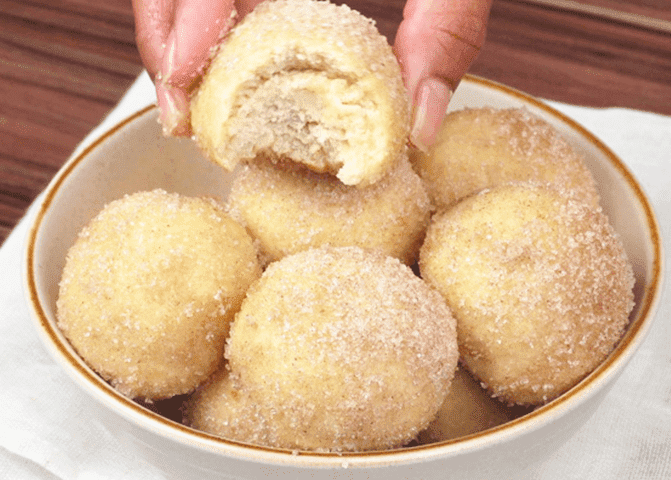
(135, 156)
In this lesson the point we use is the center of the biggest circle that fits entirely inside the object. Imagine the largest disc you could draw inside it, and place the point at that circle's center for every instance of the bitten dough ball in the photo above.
(289, 209)
(340, 349)
(480, 148)
(309, 81)
(149, 289)
(539, 283)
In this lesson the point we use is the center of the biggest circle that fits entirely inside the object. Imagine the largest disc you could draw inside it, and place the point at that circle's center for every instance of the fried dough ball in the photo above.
(223, 406)
(340, 349)
(149, 290)
(539, 283)
(480, 148)
(467, 409)
(289, 209)
(309, 81)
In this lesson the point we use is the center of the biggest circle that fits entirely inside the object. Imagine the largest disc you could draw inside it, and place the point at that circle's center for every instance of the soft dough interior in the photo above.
(307, 113)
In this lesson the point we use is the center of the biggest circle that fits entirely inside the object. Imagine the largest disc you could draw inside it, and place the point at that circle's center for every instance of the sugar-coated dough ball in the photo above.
(224, 406)
(480, 148)
(309, 81)
(340, 349)
(539, 283)
(149, 290)
(292, 209)
(467, 409)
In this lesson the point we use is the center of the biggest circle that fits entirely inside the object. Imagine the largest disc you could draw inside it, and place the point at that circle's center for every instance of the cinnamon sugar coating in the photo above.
(224, 406)
(539, 283)
(149, 289)
(289, 209)
(467, 409)
(480, 148)
(339, 349)
(309, 81)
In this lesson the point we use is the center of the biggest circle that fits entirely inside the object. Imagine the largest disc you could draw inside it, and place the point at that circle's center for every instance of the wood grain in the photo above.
(65, 63)
(577, 58)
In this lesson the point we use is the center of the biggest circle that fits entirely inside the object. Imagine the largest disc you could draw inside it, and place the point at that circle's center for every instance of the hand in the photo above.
(436, 42)
(175, 39)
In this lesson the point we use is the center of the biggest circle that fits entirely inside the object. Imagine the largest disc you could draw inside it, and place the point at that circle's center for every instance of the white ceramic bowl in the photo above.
(134, 156)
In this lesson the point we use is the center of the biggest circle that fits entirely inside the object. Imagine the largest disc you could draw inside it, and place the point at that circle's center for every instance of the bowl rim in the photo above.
(153, 422)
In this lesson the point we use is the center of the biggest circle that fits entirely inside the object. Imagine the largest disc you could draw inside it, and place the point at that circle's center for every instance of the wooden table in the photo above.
(65, 63)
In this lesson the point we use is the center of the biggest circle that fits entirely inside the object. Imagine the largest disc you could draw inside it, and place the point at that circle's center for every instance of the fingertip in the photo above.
(409, 48)
(198, 28)
(152, 25)
(431, 101)
(173, 105)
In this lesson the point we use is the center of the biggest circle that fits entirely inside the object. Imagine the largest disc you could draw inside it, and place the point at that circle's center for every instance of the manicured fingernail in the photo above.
(173, 108)
(431, 104)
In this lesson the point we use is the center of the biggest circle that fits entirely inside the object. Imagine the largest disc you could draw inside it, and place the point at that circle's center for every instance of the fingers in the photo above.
(173, 108)
(175, 40)
(153, 20)
(435, 44)
(245, 6)
(197, 27)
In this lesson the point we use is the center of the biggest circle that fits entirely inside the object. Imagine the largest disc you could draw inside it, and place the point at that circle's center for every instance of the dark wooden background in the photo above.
(65, 63)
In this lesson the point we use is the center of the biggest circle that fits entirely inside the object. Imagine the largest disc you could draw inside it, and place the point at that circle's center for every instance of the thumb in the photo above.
(436, 42)
(198, 26)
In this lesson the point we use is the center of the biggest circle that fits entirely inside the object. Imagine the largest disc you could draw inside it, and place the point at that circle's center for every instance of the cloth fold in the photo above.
(49, 428)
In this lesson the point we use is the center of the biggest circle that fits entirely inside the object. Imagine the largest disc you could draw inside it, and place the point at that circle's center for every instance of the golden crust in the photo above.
(480, 148)
(289, 209)
(309, 81)
(539, 283)
(149, 289)
(224, 407)
(467, 409)
(341, 350)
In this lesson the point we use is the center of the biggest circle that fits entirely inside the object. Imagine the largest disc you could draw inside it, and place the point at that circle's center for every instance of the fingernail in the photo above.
(169, 57)
(430, 108)
(173, 108)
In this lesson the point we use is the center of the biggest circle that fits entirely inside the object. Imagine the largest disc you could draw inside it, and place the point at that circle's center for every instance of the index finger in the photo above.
(440, 38)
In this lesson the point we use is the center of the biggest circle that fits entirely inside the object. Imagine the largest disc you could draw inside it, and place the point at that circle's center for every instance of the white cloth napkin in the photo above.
(48, 429)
